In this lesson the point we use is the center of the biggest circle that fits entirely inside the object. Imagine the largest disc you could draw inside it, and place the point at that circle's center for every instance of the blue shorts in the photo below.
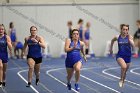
(13, 39)
(87, 38)
(4, 60)
(127, 59)
(4, 57)
(19, 45)
(70, 64)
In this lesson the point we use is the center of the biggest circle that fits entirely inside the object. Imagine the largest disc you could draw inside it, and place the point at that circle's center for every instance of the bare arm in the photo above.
(112, 43)
(41, 42)
(83, 50)
(9, 43)
(9, 32)
(67, 44)
(25, 46)
(131, 42)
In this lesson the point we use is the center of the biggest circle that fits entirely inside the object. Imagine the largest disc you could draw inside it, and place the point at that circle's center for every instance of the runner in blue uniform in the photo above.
(73, 61)
(125, 45)
(5, 42)
(34, 56)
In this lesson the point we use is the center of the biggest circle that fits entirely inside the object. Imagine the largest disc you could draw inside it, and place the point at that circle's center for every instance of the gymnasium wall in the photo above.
(1, 13)
(66, 1)
(51, 21)
(139, 9)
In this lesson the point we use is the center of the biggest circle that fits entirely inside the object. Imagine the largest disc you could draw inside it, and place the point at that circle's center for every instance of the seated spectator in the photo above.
(18, 49)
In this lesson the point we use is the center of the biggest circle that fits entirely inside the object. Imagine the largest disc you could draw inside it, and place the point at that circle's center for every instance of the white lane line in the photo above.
(47, 66)
(26, 80)
(19, 74)
(16, 68)
(4, 90)
(48, 73)
(110, 78)
(132, 71)
(89, 87)
(100, 84)
(104, 71)
(102, 75)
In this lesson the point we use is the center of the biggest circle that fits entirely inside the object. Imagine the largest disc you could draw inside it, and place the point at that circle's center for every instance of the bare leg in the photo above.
(77, 68)
(1, 72)
(123, 65)
(37, 72)
(31, 64)
(124, 68)
(4, 73)
(69, 74)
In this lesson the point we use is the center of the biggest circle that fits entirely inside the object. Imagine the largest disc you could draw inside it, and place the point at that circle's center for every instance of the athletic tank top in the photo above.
(34, 49)
(124, 46)
(13, 35)
(81, 32)
(3, 47)
(74, 54)
(87, 34)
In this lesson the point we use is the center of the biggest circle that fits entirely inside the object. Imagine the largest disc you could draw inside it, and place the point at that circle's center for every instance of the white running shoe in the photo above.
(0, 85)
(121, 83)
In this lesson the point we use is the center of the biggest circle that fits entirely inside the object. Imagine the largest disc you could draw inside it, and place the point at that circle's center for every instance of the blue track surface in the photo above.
(98, 75)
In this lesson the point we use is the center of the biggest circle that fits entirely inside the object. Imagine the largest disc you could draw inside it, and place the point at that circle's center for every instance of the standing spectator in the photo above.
(86, 37)
(69, 24)
(80, 28)
(12, 34)
(137, 39)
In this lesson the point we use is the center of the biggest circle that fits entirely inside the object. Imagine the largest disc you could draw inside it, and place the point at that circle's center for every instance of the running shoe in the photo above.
(77, 88)
(0, 84)
(29, 84)
(4, 84)
(69, 86)
(37, 81)
(121, 83)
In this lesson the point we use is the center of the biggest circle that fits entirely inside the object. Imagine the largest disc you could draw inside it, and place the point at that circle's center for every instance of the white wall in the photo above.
(139, 9)
(2, 1)
(69, 1)
(56, 17)
(1, 14)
